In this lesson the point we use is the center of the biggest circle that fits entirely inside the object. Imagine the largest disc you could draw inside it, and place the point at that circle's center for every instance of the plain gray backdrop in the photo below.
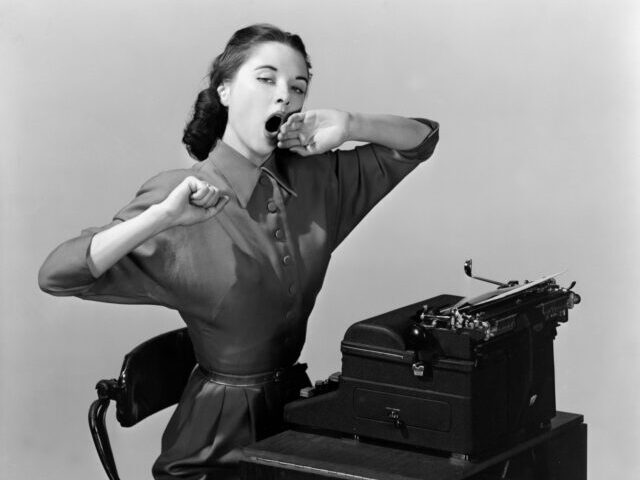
(536, 172)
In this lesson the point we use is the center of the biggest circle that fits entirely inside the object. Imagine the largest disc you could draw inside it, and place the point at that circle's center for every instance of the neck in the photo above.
(232, 140)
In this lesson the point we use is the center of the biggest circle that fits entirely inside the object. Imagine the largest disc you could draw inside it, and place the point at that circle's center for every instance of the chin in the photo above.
(266, 146)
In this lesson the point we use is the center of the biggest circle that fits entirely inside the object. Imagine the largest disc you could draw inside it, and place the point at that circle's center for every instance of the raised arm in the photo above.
(317, 131)
(163, 202)
(192, 201)
(359, 177)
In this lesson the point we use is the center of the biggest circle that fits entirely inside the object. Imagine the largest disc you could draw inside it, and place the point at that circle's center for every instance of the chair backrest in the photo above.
(152, 377)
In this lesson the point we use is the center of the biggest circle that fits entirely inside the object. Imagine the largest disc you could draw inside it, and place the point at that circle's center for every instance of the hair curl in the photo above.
(209, 115)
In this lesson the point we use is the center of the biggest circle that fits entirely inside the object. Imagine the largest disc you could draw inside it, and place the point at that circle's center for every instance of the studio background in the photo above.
(536, 172)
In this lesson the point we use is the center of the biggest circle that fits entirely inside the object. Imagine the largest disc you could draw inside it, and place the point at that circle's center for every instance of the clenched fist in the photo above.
(193, 201)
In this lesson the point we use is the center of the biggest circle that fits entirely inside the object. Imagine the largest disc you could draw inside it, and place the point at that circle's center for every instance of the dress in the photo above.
(244, 281)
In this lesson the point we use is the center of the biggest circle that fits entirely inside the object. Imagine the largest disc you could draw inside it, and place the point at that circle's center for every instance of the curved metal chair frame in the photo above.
(152, 377)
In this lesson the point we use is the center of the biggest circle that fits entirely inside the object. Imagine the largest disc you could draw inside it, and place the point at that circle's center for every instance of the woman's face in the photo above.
(272, 82)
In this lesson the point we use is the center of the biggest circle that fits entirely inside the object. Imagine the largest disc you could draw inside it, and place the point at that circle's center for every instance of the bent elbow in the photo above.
(53, 281)
(45, 279)
(65, 270)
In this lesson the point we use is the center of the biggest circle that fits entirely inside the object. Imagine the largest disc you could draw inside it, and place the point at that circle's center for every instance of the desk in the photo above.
(559, 453)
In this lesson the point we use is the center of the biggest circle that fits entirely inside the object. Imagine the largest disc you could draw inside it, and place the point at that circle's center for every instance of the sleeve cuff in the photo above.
(424, 149)
(65, 271)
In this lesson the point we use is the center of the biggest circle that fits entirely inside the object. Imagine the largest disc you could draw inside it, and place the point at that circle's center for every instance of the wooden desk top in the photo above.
(349, 459)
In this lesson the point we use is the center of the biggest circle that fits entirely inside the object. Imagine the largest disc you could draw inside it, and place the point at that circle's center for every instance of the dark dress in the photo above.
(244, 282)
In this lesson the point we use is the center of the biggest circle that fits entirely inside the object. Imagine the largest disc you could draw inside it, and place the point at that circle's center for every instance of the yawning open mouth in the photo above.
(272, 125)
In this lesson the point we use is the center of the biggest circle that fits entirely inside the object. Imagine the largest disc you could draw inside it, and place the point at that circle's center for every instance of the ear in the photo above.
(223, 93)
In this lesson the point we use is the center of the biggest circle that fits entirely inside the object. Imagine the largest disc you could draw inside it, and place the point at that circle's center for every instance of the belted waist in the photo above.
(273, 376)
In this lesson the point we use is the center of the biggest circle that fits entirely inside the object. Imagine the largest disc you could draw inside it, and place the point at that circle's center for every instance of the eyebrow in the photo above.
(271, 67)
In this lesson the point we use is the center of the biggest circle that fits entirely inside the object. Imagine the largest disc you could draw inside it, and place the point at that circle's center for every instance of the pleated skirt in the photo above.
(215, 420)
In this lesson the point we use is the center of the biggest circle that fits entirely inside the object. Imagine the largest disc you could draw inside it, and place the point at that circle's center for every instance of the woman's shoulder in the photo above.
(167, 179)
(313, 164)
(152, 191)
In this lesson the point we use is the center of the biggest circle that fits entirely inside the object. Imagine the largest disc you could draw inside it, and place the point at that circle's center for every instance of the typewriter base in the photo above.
(559, 453)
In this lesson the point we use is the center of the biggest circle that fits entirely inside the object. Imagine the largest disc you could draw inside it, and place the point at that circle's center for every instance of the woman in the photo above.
(240, 243)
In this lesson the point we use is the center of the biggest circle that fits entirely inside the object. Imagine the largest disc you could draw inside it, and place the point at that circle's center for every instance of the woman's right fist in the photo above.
(193, 201)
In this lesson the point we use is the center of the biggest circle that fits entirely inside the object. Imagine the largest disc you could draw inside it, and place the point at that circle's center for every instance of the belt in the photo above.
(274, 376)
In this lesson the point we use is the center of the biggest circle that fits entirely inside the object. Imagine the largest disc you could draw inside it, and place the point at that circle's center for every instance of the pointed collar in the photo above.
(241, 173)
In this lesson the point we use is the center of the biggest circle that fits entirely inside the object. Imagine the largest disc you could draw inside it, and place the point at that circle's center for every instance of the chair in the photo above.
(152, 377)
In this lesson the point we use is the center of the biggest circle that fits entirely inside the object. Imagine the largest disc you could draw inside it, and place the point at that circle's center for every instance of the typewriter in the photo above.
(464, 376)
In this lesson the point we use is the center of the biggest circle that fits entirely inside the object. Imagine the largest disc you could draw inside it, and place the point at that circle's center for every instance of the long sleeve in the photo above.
(367, 173)
(139, 277)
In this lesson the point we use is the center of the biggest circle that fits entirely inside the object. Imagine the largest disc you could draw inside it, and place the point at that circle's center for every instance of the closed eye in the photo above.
(272, 81)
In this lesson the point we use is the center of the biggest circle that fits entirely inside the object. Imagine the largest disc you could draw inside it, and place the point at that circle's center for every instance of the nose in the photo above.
(283, 95)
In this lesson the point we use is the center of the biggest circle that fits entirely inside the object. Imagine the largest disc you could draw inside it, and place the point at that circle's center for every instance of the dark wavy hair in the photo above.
(209, 115)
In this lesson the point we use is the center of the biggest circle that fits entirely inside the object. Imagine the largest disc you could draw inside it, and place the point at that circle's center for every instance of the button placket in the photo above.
(274, 206)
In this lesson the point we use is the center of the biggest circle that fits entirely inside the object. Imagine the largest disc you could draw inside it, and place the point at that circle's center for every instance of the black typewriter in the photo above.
(465, 376)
